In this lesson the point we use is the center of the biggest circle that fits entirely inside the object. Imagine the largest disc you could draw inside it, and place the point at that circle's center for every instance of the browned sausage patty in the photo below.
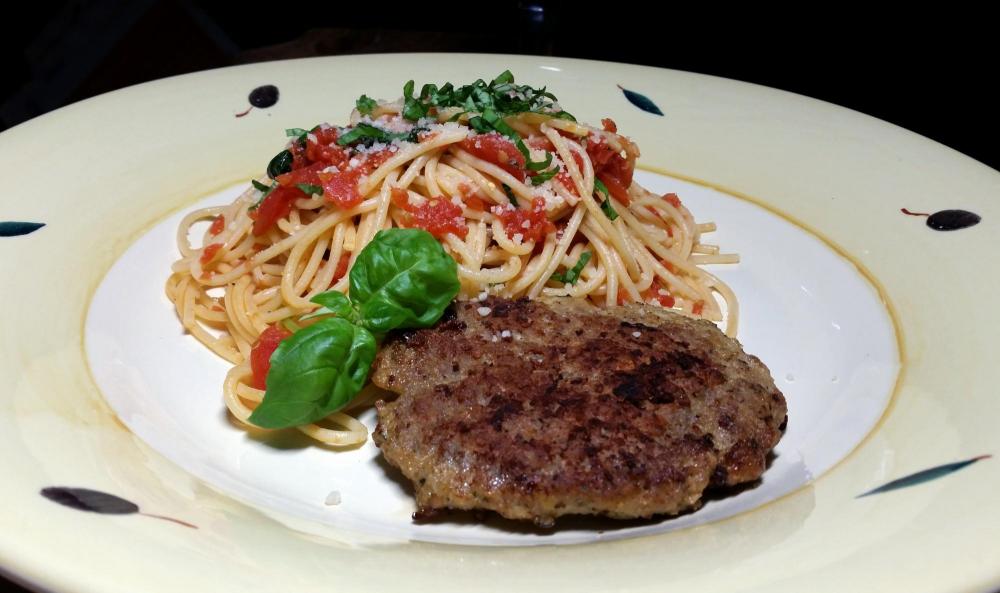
(545, 408)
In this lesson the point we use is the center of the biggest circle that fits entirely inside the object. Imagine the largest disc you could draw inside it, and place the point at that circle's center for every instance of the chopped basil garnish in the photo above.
(413, 109)
(281, 163)
(264, 191)
(367, 134)
(500, 95)
(544, 176)
(609, 210)
(571, 275)
(510, 195)
(310, 189)
(366, 105)
(541, 165)
(297, 133)
(606, 207)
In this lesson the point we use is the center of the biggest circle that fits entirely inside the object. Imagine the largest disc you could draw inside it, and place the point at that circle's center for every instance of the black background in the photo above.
(925, 71)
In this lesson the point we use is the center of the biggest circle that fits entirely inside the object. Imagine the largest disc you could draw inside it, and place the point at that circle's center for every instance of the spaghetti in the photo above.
(529, 204)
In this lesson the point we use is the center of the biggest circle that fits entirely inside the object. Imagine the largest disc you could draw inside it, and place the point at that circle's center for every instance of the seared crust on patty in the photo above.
(552, 407)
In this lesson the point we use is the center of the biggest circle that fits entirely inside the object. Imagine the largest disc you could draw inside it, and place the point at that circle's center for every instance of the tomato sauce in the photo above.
(260, 354)
(438, 216)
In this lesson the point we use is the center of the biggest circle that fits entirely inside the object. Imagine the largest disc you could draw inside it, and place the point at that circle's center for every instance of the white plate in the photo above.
(823, 242)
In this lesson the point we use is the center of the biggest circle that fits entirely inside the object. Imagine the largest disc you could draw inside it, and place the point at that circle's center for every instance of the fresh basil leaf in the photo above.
(310, 189)
(365, 105)
(333, 303)
(314, 373)
(571, 275)
(281, 163)
(403, 278)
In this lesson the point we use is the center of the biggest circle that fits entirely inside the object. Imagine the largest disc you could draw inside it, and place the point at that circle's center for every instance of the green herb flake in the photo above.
(366, 105)
(281, 163)
(571, 275)
(264, 191)
(310, 189)
(510, 195)
(602, 192)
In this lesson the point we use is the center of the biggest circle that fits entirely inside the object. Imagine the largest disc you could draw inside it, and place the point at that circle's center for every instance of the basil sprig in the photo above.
(571, 275)
(402, 279)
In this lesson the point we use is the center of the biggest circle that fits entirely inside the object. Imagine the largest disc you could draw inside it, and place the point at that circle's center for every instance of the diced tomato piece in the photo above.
(474, 202)
(496, 149)
(531, 223)
(540, 143)
(672, 199)
(260, 354)
(275, 206)
(698, 308)
(218, 225)
(209, 253)
(618, 191)
(438, 216)
(653, 292)
(299, 158)
(308, 174)
(325, 149)
(472, 198)
(374, 160)
(609, 125)
(566, 179)
(345, 260)
(622, 296)
(599, 151)
(606, 160)
(342, 188)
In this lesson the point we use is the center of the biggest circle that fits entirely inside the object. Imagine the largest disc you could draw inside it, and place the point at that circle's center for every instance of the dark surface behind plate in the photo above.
(929, 74)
